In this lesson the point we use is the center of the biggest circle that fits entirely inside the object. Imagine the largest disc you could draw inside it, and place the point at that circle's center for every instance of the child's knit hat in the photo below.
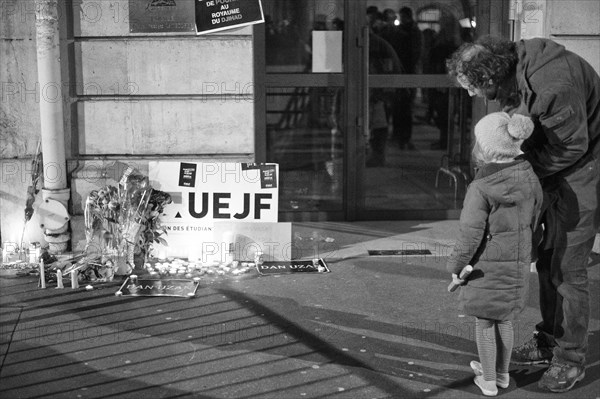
(499, 135)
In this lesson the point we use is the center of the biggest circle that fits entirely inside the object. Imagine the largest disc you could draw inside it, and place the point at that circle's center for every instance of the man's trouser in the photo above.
(565, 299)
(570, 217)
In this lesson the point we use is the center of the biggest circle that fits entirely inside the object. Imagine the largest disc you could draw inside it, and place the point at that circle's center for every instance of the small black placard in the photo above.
(158, 287)
(268, 176)
(293, 266)
(187, 174)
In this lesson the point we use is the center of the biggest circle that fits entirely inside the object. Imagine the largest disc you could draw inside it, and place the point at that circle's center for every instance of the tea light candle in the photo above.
(259, 257)
(42, 275)
(9, 248)
(59, 281)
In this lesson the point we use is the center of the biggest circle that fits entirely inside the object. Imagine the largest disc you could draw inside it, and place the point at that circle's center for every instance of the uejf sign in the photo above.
(216, 15)
(205, 192)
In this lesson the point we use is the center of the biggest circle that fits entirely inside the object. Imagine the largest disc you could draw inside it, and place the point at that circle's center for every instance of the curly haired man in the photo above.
(560, 91)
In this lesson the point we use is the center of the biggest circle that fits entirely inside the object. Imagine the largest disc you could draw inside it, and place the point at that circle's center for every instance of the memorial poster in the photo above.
(217, 15)
(205, 192)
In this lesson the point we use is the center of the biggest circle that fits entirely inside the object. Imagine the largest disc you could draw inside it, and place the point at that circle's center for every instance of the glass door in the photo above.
(417, 139)
(357, 108)
(305, 100)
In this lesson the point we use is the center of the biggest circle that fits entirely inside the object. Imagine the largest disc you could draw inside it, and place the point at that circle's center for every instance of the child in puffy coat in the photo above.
(496, 222)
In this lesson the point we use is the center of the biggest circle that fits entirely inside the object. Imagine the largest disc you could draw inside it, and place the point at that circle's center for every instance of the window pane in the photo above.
(304, 137)
(418, 145)
(303, 36)
(422, 35)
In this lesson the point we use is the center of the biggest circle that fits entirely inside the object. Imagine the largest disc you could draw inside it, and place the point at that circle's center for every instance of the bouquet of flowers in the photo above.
(152, 231)
(126, 218)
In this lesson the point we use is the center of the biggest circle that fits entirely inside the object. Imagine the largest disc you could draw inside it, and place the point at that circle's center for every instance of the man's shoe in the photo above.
(561, 377)
(535, 351)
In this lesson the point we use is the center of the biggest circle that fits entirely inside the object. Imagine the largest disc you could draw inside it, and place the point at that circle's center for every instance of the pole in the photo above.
(47, 16)
(51, 101)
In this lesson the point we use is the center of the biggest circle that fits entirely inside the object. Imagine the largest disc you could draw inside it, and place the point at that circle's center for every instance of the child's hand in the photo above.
(456, 280)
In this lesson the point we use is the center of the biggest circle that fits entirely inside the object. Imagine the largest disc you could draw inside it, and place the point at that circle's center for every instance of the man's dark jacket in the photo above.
(561, 92)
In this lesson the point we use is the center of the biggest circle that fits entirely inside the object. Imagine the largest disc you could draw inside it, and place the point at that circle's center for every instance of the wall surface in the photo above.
(576, 25)
(127, 97)
(572, 23)
(167, 94)
(176, 94)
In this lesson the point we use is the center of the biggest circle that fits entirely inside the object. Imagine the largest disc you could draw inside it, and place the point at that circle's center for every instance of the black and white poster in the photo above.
(217, 15)
(205, 192)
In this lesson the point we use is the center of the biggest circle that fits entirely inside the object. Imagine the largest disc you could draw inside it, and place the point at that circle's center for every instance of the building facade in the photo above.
(260, 93)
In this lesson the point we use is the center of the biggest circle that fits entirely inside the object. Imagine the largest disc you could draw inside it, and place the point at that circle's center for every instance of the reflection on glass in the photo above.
(419, 175)
(419, 138)
(422, 37)
(304, 136)
(291, 45)
(416, 136)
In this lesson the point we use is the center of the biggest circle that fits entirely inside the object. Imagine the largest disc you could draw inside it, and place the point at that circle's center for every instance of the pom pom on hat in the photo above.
(520, 126)
(499, 136)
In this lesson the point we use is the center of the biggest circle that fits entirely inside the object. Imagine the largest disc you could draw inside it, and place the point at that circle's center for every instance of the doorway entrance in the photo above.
(356, 108)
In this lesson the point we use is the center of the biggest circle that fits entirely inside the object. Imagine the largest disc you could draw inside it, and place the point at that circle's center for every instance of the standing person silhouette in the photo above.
(382, 60)
(560, 91)
(411, 41)
(445, 42)
(407, 40)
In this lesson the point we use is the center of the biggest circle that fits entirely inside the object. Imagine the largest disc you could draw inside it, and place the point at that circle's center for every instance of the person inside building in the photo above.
(382, 60)
(406, 39)
(445, 42)
(560, 91)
